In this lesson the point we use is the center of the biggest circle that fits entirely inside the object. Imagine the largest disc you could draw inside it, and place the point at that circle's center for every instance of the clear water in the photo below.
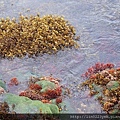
(98, 24)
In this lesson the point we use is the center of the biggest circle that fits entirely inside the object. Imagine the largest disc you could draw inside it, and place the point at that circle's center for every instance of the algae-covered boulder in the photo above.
(25, 105)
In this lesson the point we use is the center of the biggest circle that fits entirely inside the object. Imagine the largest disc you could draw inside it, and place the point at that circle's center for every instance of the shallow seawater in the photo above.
(98, 24)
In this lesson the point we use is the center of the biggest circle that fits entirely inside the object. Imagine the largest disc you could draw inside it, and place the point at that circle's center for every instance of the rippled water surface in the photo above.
(98, 24)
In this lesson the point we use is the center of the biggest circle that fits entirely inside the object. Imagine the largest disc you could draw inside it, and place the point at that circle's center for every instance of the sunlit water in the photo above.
(98, 24)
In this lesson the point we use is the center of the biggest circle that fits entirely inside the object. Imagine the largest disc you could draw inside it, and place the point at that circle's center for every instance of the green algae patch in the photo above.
(15, 99)
(46, 85)
(25, 105)
(2, 84)
(53, 108)
(97, 88)
(112, 85)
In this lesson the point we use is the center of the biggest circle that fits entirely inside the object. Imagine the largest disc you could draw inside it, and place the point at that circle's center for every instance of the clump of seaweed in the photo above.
(13, 81)
(103, 81)
(44, 89)
(97, 68)
(35, 35)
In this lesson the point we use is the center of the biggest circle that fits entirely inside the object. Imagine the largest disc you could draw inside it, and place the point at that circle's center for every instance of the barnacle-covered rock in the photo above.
(35, 35)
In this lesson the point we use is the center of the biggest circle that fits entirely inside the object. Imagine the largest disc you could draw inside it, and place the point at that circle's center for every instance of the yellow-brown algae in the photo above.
(35, 35)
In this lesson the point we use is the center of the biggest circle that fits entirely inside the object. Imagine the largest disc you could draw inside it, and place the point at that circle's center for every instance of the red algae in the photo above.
(34, 90)
(14, 81)
(97, 68)
(35, 87)
(32, 95)
(53, 93)
(58, 100)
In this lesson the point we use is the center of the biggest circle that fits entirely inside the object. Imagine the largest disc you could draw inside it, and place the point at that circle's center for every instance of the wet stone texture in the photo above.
(98, 24)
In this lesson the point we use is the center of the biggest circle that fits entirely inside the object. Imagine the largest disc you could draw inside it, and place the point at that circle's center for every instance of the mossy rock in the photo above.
(2, 84)
(26, 105)
(112, 85)
(46, 85)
